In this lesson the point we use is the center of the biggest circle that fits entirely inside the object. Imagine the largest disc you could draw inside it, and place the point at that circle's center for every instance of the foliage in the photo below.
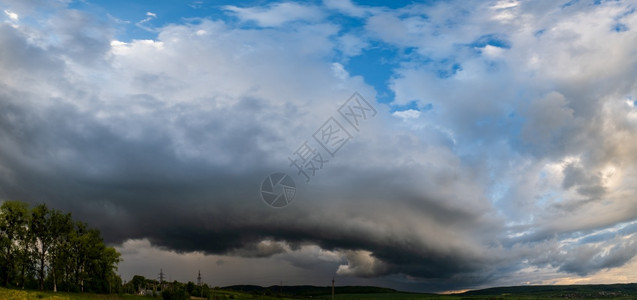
(175, 291)
(45, 248)
(14, 241)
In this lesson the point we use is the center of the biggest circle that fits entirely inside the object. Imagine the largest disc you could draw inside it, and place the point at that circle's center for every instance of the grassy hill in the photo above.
(593, 291)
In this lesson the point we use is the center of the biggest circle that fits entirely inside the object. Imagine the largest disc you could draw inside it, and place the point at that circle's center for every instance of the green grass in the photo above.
(11, 294)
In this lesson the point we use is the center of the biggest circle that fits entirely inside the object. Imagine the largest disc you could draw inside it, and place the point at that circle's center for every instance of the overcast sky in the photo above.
(494, 142)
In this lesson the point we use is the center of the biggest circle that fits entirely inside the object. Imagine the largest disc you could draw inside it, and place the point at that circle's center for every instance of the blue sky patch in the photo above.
(619, 27)
(376, 65)
(495, 40)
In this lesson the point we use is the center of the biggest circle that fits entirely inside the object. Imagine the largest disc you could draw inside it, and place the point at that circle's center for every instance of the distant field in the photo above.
(407, 296)
(544, 293)
(11, 294)
(388, 296)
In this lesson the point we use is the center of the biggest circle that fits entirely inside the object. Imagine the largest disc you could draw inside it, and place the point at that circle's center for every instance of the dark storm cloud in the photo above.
(192, 205)
(151, 193)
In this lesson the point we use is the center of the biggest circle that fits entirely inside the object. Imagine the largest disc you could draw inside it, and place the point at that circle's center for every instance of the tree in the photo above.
(138, 283)
(78, 245)
(60, 229)
(190, 287)
(14, 217)
(46, 246)
(41, 230)
(24, 257)
(95, 263)
(107, 265)
(205, 291)
(176, 291)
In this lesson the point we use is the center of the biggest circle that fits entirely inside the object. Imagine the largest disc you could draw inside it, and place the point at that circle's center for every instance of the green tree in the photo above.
(190, 287)
(14, 218)
(43, 245)
(107, 278)
(60, 229)
(205, 291)
(139, 283)
(95, 262)
(77, 255)
(41, 227)
(24, 258)
(176, 291)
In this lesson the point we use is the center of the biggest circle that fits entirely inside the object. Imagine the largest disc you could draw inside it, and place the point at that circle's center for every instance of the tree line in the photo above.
(167, 290)
(43, 248)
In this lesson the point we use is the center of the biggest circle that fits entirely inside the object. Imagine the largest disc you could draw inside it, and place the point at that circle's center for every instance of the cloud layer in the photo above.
(505, 156)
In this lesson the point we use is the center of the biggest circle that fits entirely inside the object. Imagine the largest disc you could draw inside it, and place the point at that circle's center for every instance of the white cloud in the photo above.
(277, 14)
(564, 111)
(407, 114)
(12, 16)
(339, 71)
(149, 17)
(492, 51)
(503, 4)
(352, 45)
(346, 7)
(361, 263)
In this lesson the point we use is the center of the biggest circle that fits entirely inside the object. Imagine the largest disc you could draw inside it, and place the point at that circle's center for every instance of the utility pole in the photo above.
(332, 288)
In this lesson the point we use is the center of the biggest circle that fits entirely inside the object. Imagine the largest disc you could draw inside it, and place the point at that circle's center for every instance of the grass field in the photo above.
(11, 294)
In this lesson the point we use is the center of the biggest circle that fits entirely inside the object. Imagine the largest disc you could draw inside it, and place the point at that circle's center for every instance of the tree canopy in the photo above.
(44, 248)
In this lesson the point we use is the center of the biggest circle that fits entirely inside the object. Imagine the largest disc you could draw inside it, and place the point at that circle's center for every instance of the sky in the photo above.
(424, 146)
